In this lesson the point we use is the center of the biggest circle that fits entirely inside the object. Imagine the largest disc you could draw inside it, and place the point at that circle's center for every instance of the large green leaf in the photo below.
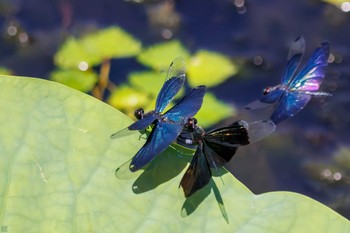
(57, 175)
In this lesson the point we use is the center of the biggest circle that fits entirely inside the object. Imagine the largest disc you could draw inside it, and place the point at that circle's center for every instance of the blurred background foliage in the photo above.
(119, 52)
(77, 57)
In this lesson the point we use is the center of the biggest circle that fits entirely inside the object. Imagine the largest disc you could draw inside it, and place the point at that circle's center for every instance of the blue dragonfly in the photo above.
(295, 91)
(165, 127)
(216, 148)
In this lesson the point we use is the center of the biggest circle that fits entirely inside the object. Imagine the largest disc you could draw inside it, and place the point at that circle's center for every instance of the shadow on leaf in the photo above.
(163, 168)
(192, 202)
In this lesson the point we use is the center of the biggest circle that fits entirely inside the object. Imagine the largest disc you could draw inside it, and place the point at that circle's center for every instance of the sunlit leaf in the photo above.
(213, 111)
(57, 175)
(149, 82)
(128, 99)
(209, 68)
(111, 42)
(80, 80)
(160, 56)
(93, 48)
(72, 53)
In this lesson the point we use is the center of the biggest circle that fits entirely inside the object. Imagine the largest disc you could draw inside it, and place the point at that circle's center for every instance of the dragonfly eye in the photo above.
(139, 113)
(266, 91)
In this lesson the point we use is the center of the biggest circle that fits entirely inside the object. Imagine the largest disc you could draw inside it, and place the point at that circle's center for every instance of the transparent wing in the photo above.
(122, 133)
(259, 129)
(159, 139)
(197, 175)
(291, 103)
(225, 141)
(188, 105)
(296, 52)
(313, 73)
(141, 124)
(174, 81)
(123, 172)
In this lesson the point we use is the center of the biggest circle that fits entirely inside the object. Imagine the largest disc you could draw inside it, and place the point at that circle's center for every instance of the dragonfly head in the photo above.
(191, 123)
(267, 90)
(139, 113)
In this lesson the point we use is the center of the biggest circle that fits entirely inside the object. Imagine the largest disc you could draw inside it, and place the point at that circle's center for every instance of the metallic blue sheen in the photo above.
(295, 91)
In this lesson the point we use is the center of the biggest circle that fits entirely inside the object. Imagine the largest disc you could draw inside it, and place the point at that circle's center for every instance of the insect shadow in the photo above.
(168, 165)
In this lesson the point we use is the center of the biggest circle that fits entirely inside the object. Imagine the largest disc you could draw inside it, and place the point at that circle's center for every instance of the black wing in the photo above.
(197, 175)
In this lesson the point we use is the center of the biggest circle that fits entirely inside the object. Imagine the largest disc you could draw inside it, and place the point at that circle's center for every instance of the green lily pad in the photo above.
(57, 175)
(209, 68)
(213, 111)
(108, 43)
(147, 81)
(160, 56)
(111, 42)
(128, 99)
(150, 82)
(72, 53)
(80, 80)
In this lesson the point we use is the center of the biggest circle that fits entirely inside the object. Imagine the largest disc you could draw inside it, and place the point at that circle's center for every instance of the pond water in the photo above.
(308, 154)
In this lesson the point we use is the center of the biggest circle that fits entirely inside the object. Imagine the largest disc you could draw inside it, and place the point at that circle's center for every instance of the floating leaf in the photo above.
(80, 80)
(112, 42)
(160, 56)
(72, 53)
(149, 82)
(209, 68)
(128, 99)
(57, 175)
(213, 111)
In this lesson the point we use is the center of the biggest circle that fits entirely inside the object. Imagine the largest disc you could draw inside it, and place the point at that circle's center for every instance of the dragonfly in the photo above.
(165, 127)
(295, 90)
(216, 148)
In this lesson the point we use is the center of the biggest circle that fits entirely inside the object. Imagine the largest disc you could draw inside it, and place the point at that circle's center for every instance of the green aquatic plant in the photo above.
(77, 58)
(57, 175)
(94, 49)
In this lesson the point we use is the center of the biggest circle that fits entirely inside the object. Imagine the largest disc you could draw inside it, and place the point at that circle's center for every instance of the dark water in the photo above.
(297, 156)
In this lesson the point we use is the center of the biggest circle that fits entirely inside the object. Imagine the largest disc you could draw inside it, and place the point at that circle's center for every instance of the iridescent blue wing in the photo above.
(159, 139)
(197, 175)
(291, 103)
(310, 77)
(188, 105)
(266, 100)
(307, 81)
(174, 81)
(296, 52)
